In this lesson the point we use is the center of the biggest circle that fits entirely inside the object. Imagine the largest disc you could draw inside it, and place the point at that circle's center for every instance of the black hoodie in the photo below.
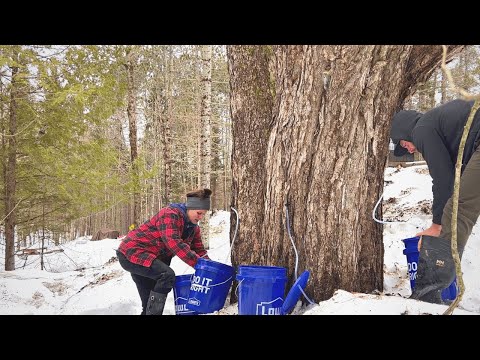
(436, 135)
(403, 124)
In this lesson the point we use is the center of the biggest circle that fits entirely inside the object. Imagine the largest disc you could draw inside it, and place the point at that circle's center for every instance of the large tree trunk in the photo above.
(10, 176)
(320, 149)
(132, 135)
(251, 103)
(206, 134)
(166, 131)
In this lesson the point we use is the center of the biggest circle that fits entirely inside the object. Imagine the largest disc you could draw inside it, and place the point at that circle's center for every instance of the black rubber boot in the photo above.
(436, 269)
(156, 303)
(434, 297)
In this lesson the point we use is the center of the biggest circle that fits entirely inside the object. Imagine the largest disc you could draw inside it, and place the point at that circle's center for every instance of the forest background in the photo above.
(98, 137)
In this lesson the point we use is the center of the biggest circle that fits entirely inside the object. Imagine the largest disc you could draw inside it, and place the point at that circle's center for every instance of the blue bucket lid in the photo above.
(295, 292)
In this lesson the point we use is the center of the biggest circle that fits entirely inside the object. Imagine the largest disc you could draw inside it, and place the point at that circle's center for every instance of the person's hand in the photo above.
(433, 230)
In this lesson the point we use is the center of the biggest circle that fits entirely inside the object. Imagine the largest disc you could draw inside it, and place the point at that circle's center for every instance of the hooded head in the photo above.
(403, 123)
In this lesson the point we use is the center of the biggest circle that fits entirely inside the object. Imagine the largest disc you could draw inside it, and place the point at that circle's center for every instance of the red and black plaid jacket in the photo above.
(161, 237)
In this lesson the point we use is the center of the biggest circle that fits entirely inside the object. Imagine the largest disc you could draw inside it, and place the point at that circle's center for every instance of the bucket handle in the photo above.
(236, 289)
(221, 282)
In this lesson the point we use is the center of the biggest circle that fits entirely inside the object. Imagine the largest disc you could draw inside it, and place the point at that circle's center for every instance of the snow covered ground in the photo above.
(86, 278)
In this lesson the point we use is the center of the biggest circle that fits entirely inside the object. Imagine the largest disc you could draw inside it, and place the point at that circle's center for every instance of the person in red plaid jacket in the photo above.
(146, 252)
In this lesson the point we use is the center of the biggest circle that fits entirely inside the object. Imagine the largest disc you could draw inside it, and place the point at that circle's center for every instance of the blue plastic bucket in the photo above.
(210, 285)
(450, 293)
(261, 290)
(412, 253)
(180, 294)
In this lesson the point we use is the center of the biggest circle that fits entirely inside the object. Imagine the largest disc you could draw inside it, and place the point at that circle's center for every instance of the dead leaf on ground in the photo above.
(422, 171)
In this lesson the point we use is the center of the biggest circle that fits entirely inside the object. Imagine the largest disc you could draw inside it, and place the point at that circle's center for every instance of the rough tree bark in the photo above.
(316, 138)
(10, 175)
(132, 134)
(167, 157)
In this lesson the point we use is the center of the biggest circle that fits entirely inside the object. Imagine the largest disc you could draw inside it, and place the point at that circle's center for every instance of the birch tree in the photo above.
(205, 155)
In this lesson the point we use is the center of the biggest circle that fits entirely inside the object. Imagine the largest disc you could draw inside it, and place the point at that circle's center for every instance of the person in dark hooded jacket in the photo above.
(436, 135)
(146, 252)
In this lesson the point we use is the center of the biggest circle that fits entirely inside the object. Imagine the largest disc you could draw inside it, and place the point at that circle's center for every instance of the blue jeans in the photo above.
(159, 277)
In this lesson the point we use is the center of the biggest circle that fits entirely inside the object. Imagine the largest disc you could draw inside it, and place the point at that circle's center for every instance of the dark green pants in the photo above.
(468, 204)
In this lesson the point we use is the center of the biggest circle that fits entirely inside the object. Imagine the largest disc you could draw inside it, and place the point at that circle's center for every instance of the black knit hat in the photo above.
(199, 200)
